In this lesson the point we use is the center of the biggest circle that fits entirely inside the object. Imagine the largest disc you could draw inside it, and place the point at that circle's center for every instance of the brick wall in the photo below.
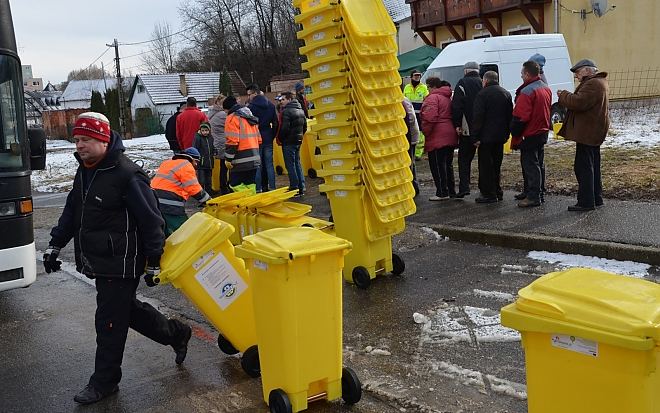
(57, 123)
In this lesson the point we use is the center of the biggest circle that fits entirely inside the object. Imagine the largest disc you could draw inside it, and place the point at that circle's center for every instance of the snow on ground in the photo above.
(565, 261)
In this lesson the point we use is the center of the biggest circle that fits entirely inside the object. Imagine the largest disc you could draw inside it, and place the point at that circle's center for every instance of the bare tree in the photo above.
(88, 73)
(162, 51)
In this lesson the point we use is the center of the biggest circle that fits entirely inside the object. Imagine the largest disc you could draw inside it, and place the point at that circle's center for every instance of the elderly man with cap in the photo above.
(113, 217)
(301, 98)
(416, 92)
(587, 121)
(462, 107)
(174, 183)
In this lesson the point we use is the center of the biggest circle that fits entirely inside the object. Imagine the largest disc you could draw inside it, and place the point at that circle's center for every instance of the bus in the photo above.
(21, 151)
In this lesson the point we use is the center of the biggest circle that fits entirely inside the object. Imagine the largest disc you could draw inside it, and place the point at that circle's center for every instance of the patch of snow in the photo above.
(434, 234)
(566, 261)
(494, 294)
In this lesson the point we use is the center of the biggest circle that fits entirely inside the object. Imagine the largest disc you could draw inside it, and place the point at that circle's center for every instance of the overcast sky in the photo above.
(58, 36)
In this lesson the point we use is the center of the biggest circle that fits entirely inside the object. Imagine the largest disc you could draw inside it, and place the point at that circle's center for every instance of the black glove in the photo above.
(51, 263)
(150, 274)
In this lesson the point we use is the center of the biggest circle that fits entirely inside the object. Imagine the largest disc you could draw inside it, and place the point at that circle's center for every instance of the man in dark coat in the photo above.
(586, 123)
(170, 130)
(462, 106)
(112, 215)
(490, 131)
(263, 109)
(292, 130)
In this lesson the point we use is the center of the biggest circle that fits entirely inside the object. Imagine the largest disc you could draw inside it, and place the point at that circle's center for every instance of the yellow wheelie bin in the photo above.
(199, 260)
(591, 341)
(297, 289)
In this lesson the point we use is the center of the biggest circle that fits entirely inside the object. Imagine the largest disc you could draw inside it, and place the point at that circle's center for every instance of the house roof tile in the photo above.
(398, 10)
(166, 88)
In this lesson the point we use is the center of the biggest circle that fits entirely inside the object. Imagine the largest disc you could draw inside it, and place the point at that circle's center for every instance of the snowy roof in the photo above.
(82, 89)
(166, 88)
(398, 10)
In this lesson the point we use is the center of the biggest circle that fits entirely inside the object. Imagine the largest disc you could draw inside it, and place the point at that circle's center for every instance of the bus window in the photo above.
(13, 144)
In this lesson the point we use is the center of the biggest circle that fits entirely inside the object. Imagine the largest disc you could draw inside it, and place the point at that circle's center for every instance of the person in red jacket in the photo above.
(441, 138)
(529, 131)
(187, 123)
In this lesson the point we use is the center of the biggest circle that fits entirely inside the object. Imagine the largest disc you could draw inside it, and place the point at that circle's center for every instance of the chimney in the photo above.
(182, 81)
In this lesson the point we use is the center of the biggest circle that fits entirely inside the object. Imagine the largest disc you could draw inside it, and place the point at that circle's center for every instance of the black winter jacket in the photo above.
(493, 107)
(262, 108)
(204, 144)
(170, 133)
(294, 124)
(112, 215)
(463, 102)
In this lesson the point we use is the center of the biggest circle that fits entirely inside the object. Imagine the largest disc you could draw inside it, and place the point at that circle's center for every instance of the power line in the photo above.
(153, 40)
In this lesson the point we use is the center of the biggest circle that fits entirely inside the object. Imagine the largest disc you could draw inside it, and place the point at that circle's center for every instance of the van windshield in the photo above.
(451, 74)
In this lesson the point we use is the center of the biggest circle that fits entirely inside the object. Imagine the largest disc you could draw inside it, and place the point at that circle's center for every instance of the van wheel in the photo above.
(557, 115)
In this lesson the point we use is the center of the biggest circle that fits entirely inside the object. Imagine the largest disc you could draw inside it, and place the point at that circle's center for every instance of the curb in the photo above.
(528, 242)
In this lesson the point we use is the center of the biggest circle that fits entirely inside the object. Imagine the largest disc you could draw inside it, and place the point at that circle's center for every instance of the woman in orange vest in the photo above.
(174, 183)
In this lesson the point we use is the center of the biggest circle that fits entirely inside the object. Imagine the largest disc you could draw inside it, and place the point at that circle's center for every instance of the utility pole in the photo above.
(120, 91)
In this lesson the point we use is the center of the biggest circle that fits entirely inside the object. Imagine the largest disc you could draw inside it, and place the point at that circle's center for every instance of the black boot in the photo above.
(90, 395)
(181, 339)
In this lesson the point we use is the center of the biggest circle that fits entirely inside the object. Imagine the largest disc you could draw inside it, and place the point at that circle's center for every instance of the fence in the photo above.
(635, 88)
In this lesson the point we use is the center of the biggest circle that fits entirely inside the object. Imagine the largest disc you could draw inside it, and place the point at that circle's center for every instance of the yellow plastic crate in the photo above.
(378, 24)
(375, 80)
(385, 130)
(339, 162)
(590, 340)
(379, 114)
(321, 33)
(369, 46)
(389, 180)
(333, 130)
(385, 146)
(330, 99)
(378, 97)
(324, 49)
(320, 15)
(199, 260)
(374, 63)
(341, 177)
(385, 163)
(226, 214)
(322, 67)
(393, 195)
(307, 6)
(333, 114)
(375, 227)
(337, 146)
(296, 281)
(334, 82)
(285, 210)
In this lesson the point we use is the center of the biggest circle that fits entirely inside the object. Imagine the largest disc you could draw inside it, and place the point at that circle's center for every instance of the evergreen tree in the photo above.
(225, 82)
(112, 108)
(97, 104)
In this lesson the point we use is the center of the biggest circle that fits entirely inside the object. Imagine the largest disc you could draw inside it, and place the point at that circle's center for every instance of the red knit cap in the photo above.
(94, 125)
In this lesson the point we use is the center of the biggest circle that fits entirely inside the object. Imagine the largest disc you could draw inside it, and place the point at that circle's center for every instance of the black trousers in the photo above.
(117, 309)
(466, 150)
(224, 178)
(490, 163)
(533, 166)
(587, 172)
(413, 168)
(440, 163)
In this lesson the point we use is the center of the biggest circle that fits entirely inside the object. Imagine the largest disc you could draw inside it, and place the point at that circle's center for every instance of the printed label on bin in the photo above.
(341, 194)
(334, 147)
(332, 131)
(314, 3)
(329, 99)
(318, 36)
(324, 68)
(199, 263)
(330, 116)
(221, 281)
(336, 162)
(242, 231)
(577, 344)
(321, 52)
(317, 19)
(339, 178)
(262, 265)
(326, 84)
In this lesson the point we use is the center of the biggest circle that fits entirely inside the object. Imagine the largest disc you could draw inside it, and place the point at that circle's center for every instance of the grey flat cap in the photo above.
(583, 63)
(471, 65)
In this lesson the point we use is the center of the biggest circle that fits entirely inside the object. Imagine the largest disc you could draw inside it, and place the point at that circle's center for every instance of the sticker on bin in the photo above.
(328, 99)
(318, 36)
(339, 178)
(324, 68)
(262, 265)
(317, 19)
(221, 281)
(336, 162)
(576, 344)
(334, 147)
(330, 116)
(332, 132)
(321, 52)
(341, 194)
(314, 3)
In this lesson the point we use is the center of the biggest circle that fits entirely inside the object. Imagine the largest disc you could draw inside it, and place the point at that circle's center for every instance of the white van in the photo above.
(506, 55)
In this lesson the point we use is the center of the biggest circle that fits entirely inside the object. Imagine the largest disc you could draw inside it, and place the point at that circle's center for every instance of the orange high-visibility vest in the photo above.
(243, 140)
(178, 177)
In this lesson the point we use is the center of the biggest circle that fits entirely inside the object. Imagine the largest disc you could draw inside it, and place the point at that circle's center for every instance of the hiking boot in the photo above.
(180, 345)
(90, 395)
(520, 196)
(462, 194)
(526, 203)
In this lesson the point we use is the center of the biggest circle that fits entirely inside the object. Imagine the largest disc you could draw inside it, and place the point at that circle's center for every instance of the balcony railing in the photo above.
(427, 13)
(457, 10)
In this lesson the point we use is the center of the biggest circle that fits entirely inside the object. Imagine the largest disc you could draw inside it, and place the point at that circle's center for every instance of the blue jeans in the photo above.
(266, 155)
(294, 167)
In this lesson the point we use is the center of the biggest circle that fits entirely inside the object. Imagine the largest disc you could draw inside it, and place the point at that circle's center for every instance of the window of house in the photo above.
(481, 35)
(140, 89)
(35, 83)
(25, 84)
(446, 43)
(519, 30)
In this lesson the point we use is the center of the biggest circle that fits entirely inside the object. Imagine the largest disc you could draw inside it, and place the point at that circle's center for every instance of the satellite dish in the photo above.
(599, 7)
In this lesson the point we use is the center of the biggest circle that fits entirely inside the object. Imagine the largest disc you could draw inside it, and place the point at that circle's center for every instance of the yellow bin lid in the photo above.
(595, 305)
(280, 245)
(199, 234)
